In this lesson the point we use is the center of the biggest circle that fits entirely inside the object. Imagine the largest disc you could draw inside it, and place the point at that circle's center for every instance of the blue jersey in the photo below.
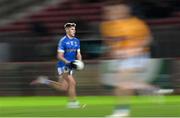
(69, 47)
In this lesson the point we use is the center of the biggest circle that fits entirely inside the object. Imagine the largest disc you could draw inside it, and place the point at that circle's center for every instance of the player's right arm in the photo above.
(60, 56)
(60, 51)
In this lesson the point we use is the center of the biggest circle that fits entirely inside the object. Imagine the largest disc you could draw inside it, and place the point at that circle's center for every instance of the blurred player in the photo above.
(68, 51)
(127, 40)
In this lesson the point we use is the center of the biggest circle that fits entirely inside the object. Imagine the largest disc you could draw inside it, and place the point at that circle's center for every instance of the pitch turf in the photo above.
(97, 106)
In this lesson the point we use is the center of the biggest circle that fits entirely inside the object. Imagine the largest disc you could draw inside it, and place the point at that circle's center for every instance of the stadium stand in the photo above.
(55, 16)
(11, 11)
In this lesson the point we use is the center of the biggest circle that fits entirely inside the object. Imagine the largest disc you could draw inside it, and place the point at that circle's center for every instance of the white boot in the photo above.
(120, 113)
(41, 80)
(73, 105)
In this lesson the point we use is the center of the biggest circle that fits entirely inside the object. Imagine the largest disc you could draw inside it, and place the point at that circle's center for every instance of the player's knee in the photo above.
(72, 83)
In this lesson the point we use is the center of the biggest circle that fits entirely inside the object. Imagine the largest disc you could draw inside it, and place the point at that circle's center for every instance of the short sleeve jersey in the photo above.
(69, 47)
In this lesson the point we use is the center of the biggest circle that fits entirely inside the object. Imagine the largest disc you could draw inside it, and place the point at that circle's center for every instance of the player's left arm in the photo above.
(79, 56)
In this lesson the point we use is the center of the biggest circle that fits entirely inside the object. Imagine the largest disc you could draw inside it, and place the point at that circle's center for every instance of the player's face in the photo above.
(116, 12)
(71, 31)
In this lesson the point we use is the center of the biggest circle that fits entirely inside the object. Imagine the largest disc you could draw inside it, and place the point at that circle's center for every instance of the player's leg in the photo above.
(61, 84)
(73, 103)
(122, 107)
(124, 90)
(131, 79)
(72, 87)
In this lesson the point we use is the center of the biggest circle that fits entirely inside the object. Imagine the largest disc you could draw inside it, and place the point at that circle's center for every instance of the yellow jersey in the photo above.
(124, 33)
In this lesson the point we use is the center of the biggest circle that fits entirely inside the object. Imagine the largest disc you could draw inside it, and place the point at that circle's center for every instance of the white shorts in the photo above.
(64, 69)
(111, 70)
(138, 62)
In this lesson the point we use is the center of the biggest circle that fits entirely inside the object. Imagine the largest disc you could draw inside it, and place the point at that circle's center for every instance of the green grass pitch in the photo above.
(96, 106)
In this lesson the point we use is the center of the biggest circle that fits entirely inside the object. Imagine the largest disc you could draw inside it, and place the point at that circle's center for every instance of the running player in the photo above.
(127, 39)
(68, 51)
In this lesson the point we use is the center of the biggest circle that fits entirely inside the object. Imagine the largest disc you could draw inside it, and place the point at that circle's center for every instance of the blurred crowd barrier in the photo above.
(15, 78)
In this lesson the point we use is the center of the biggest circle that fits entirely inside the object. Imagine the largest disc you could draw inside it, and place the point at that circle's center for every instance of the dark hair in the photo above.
(68, 25)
